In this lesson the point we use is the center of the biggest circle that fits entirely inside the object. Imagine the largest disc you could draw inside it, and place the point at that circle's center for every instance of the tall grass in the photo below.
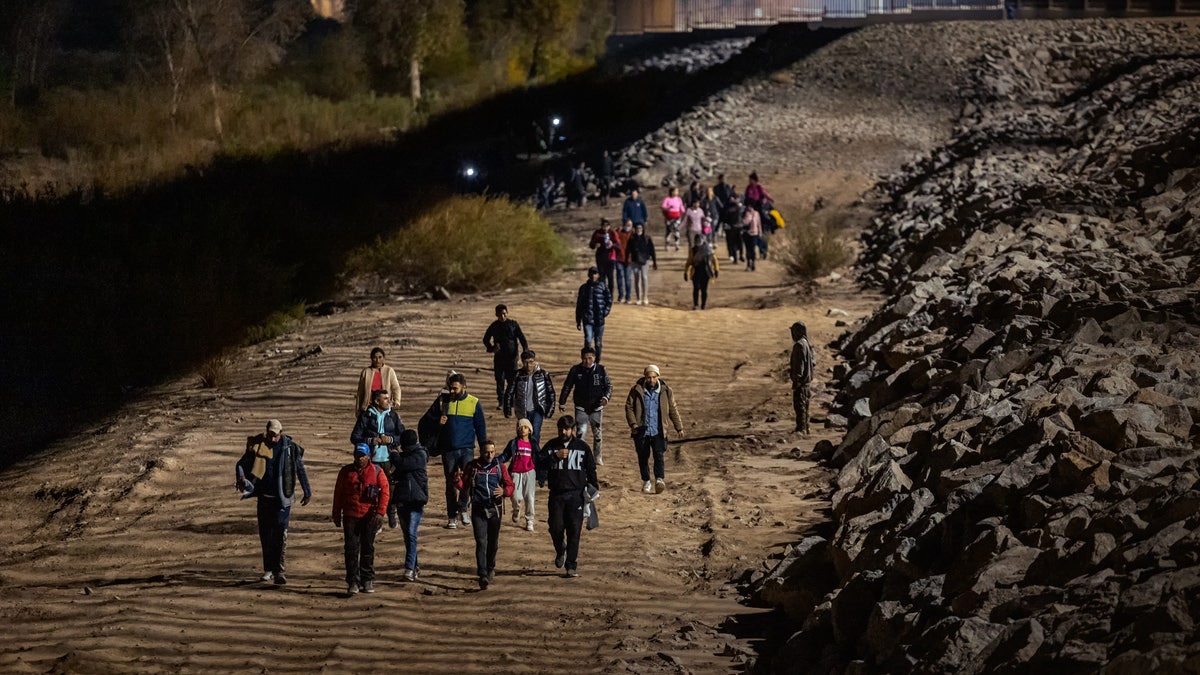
(808, 249)
(466, 244)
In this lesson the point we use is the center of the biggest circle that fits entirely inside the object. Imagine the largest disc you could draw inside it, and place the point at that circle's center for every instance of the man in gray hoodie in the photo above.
(802, 374)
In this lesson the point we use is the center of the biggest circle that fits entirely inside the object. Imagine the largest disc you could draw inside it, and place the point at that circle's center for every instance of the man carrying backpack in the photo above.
(701, 266)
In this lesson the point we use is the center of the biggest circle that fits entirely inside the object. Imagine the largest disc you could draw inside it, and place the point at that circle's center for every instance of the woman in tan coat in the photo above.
(377, 376)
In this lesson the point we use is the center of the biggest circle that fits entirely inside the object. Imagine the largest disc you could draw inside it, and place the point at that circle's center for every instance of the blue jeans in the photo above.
(454, 460)
(624, 281)
(593, 336)
(535, 418)
(410, 519)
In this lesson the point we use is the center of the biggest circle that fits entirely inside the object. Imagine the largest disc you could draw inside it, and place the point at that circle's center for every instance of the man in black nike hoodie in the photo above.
(570, 469)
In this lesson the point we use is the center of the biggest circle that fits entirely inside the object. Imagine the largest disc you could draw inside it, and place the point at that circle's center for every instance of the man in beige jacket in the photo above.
(647, 408)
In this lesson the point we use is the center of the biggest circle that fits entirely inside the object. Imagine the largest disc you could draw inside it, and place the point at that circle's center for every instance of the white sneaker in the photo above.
(466, 518)
(452, 524)
(529, 526)
(659, 486)
(648, 487)
(267, 576)
(599, 460)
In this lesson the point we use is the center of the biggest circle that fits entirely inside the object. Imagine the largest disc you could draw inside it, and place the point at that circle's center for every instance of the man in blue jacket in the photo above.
(379, 426)
(592, 305)
(634, 209)
(277, 462)
(456, 421)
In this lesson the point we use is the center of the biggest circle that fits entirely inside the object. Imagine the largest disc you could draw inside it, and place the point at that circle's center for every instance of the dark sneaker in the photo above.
(560, 560)
(660, 486)
(410, 575)
(393, 521)
(351, 589)
(572, 574)
(368, 587)
(280, 579)
(491, 575)
(483, 583)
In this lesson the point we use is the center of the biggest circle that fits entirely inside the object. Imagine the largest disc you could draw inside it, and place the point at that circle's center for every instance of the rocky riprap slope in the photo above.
(687, 59)
(847, 106)
(1019, 488)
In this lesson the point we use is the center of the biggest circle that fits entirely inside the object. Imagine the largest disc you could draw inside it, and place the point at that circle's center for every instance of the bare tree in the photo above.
(27, 41)
(408, 32)
(221, 41)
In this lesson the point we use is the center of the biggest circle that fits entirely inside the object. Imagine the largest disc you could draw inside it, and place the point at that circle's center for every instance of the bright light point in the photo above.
(556, 121)
(470, 171)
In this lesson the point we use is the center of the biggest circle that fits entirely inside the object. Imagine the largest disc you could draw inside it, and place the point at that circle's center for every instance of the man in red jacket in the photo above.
(359, 504)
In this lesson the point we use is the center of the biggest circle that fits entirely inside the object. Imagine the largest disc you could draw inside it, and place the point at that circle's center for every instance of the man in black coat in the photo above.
(570, 470)
(504, 340)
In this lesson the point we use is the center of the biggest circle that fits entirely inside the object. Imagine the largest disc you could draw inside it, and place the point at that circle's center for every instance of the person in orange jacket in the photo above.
(360, 500)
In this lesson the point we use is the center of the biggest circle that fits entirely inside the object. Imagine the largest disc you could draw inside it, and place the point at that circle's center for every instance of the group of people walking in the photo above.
(625, 256)
(387, 480)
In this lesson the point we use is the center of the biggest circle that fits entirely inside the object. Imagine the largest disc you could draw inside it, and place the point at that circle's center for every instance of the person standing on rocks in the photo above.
(634, 209)
(278, 462)
(377, 376)
(640, 254)
(592, 305)
(455, 421)
(504, 340)
(570, 469)
(647, 408)
(379, 427)
(672, 210)
(751, 234)
(531, 394)
(591, 387)
(360, 499)
(410, 493)
(701, 267)
(802, 374)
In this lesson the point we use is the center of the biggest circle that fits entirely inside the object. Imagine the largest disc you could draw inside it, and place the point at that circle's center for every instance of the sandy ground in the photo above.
(127, 549)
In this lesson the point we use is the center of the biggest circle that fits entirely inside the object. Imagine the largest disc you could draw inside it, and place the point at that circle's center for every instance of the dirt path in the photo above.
(126, 550)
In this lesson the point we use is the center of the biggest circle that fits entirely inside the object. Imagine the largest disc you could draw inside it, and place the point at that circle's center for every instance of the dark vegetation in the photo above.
(105, 293)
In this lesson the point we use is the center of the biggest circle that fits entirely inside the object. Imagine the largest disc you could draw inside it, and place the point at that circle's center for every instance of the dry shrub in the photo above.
(215, 372)
(808, 250)
(466, 243)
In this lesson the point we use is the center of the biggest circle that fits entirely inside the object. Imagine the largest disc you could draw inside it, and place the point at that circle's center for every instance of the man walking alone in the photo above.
(276, 461)
(649, 404)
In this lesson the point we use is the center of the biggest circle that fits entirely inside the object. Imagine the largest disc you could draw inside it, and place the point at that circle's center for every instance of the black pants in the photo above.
(700, 291)
(505, 369)
(360, 549)
(800, 397)
(566, 523)
(733, 239)
(273, 519)
(487, 538)
(651, 445)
